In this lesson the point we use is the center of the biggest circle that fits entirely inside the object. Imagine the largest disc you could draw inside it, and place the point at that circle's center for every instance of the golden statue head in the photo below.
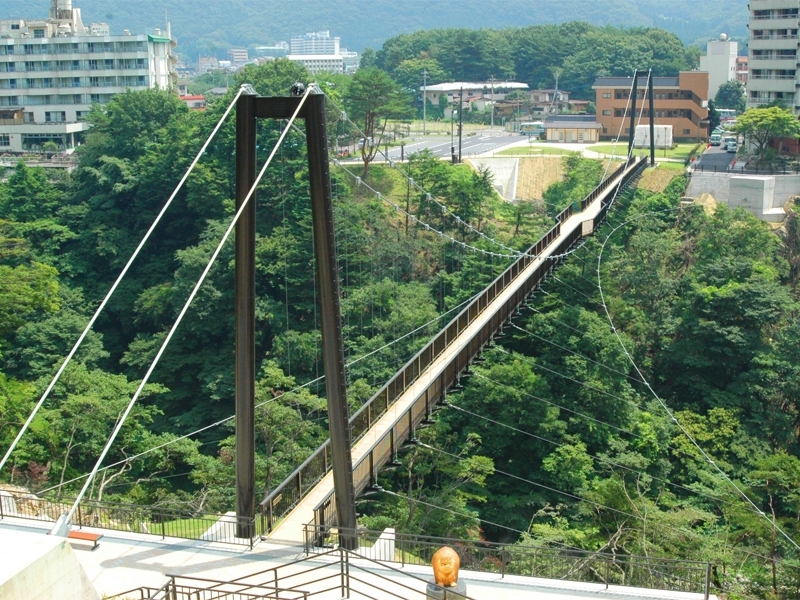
(446, 563)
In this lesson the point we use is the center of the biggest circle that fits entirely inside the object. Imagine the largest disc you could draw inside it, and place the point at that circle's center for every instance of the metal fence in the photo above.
(332, 574)
(792, 169)
(548, 563)
(153, 520)
(289, 493)
(196, 588)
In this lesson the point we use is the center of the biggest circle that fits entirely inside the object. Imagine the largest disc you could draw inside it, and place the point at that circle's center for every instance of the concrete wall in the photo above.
(716, 184)
(762, 195)
(754, 193)
(505, 171)
(41, 567)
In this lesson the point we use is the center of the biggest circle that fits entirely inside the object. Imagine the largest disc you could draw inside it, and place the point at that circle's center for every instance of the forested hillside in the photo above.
(575, 52)
(211, 26)
(651, 383)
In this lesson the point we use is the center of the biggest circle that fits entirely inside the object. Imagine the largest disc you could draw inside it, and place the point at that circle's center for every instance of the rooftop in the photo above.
(473, 85)
(627, 81)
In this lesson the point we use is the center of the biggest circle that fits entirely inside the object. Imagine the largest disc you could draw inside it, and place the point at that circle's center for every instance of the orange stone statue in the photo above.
(446, 563)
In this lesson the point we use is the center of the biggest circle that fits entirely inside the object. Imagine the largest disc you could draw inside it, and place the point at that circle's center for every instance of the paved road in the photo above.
(715, 158)
(470, 145)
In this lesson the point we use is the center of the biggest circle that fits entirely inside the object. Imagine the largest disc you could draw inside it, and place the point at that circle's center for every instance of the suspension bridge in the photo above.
(407, 401)
(313, 493)
(307, 505)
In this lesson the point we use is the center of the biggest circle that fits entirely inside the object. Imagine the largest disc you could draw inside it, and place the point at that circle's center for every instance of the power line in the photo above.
(454, 512)
(524, 358)
(584, 357)
(259, 405)
(541, 485)
(564, 408)
(604, 460)
(415, 219)
(411, 181)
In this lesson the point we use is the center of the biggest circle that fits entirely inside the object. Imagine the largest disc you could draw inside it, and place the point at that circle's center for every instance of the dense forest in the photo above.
(675, 324)
(211, 27)
(574, 52)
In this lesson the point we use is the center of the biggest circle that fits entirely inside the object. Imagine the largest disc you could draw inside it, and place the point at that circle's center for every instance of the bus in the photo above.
(726, 113)
(532, 128)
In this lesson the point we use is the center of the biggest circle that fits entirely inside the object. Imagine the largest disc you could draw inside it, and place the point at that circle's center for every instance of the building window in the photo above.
(38, 33)
(687, 131)
(28, 117)
(81, 115)
(55, 117)
(5, 140)
(606, 113)
(14, 26)
(606, 95)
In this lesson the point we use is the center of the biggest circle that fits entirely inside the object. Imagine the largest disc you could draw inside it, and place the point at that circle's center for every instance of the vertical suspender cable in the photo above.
(115, 285)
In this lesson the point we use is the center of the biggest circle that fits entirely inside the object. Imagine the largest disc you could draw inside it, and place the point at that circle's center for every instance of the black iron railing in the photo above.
(508, 559)
(153, 520)
(332, 574)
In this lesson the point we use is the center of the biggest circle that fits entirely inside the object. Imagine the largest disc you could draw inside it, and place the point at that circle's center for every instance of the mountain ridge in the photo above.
(212, 26)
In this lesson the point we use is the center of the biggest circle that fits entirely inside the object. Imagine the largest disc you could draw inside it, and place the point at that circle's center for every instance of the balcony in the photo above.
(772, 85)
(774, 43)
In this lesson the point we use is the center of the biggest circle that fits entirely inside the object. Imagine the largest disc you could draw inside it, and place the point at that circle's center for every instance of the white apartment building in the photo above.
(773, 53)
(719, 62)
(319, 42)
(320, 52)
(52, 70)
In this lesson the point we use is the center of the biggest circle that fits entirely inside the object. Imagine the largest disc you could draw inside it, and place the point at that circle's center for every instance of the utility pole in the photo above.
(460, 121)
(652, 119)
(424, 101)
(491, 80)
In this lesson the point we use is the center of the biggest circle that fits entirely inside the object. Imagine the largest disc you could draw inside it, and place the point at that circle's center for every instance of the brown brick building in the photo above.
(680, 101)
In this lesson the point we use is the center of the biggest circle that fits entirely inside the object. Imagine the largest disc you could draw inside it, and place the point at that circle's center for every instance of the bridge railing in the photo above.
(530, 561)
(288, 494)
(153, 520)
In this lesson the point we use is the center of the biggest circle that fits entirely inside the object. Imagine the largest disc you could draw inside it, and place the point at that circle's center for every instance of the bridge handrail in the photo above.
(286, 496)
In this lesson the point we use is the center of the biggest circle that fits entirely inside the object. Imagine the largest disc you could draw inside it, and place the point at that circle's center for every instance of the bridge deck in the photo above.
(291, 528)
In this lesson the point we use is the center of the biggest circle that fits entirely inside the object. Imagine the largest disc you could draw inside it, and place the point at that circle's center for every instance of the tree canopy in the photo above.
(761, 126)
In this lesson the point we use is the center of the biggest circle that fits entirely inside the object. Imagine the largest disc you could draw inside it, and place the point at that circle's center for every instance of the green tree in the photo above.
(761, 126)
(372, 99)
(713, 116)
(731, 95)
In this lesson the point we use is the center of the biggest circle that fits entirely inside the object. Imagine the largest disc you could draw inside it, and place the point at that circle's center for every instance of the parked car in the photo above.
(732, 146)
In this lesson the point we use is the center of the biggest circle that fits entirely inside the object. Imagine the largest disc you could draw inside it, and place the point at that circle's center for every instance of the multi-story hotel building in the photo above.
(773, 53)
(52, 70)
(320, 52)
(681, 102)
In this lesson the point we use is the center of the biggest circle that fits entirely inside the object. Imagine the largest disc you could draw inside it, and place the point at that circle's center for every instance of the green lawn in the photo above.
(532, 150)
(185, 528)
(680, 151)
